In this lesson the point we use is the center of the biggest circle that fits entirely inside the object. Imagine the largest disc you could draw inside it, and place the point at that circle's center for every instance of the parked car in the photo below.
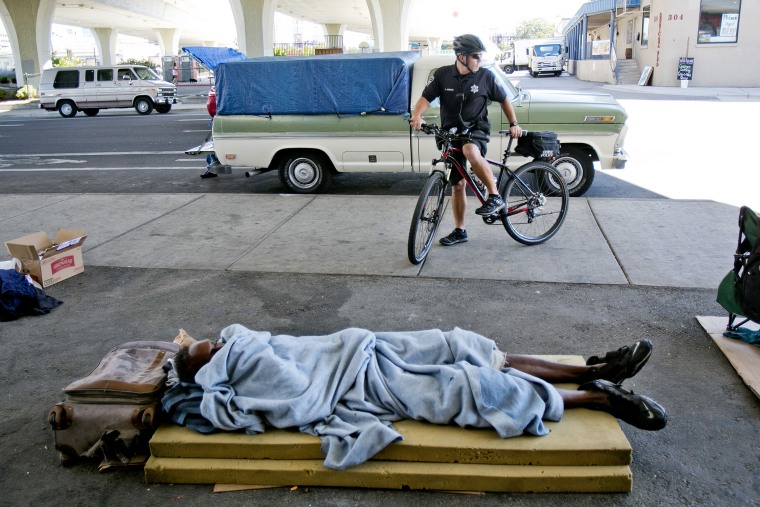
(311, 131)
(69, 90)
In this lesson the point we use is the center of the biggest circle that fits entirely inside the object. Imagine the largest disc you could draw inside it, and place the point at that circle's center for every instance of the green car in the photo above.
(307, 149)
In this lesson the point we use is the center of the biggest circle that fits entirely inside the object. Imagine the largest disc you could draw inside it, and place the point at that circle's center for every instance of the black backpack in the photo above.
(739, 291)
(539, 145)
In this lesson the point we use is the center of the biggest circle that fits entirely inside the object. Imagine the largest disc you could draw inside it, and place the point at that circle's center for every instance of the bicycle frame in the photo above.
(539, 219)
(505, 173)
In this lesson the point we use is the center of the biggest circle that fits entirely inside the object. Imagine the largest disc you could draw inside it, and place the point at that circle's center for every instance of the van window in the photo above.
(105, 74)
(145, 73)
(89, 75)
(66, 79)
(125, 74)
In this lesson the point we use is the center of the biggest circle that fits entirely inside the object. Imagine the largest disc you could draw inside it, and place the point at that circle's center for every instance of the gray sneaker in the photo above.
(494, 204)
(456, 236)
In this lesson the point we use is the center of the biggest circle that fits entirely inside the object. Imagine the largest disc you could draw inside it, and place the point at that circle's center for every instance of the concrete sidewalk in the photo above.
(665, 243)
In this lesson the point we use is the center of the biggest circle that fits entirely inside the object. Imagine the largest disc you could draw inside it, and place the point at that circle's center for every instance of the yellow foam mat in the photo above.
(393, 475)
(585, 452)
(583, 437)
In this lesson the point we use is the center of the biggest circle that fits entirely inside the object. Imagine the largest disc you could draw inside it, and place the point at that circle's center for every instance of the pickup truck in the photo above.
(301, 117)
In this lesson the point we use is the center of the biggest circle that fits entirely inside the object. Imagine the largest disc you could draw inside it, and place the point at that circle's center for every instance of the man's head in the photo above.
(190, 359)
(468, 49)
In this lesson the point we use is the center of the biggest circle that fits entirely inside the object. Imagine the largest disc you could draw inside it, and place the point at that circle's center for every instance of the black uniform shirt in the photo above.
(479, 90)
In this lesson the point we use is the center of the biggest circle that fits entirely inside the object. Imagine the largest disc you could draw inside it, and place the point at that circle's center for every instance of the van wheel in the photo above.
(92, 111)
(575, 165)
(305, 173)
(143, 105)
(67, 109)
(163, 108)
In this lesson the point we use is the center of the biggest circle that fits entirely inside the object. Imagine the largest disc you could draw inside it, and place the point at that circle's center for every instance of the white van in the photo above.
(90, 89)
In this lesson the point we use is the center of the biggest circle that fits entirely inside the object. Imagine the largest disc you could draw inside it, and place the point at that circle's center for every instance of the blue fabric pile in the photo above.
(348, 387)
(18, 297)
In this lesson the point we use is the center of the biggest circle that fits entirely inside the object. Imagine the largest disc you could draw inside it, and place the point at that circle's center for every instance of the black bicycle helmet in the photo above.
(468, 43)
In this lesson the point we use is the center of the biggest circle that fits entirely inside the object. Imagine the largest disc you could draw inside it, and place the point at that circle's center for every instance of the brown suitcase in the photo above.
(112, 413)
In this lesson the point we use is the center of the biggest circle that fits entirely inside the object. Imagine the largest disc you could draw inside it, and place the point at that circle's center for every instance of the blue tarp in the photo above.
(325, 84)
(212, 57)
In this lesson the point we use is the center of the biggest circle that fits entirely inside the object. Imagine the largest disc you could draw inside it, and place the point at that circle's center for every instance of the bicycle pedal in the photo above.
(492, 219)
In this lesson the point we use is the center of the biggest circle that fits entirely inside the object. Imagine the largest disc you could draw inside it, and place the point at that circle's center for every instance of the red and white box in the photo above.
(49, 261)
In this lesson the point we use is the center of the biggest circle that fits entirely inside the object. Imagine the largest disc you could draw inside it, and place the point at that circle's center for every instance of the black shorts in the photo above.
(483, 145)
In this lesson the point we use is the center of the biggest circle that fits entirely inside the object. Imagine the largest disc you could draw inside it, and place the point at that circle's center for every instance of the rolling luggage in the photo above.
(112, 412)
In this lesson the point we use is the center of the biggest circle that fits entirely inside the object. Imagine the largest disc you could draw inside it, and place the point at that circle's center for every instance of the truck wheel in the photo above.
(92, 111)
(143, 105)
(509, 69)
(534, 74)
(67, 109)
(576, 167)
(305, 173)
(163, 108)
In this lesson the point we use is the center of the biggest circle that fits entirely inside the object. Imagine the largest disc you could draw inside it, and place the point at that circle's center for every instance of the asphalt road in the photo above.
(121, 151)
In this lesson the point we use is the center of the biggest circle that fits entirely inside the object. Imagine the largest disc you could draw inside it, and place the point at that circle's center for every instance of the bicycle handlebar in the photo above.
(432, 128)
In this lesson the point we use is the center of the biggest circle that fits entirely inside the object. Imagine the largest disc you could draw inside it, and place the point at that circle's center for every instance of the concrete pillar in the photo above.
(334, 32)
(168, 41)
(254, 22)
(390, 24)
(105, 42)
(334, 28)
(28, 24)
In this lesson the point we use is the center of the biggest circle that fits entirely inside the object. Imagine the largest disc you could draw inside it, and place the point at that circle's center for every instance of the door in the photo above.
(106, 86)
(127, 86)
(89, 90)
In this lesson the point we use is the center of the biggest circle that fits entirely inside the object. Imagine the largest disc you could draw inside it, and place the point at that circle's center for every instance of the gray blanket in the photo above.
(348, 387)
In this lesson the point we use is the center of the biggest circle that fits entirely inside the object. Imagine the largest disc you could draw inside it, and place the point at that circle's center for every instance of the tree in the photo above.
(536, 28)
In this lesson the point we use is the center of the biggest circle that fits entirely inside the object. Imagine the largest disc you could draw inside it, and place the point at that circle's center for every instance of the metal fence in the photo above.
(332, 44)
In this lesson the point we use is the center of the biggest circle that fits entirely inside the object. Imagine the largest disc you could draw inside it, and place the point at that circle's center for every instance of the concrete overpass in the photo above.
(175, 23)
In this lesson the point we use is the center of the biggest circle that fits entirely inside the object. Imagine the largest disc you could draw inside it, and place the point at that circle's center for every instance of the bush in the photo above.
(5, 94)
(27, 92)
(65, 61)
(5, 80)
(134, 61)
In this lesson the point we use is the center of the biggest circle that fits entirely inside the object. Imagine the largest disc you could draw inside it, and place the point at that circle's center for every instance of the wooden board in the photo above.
(744, 357)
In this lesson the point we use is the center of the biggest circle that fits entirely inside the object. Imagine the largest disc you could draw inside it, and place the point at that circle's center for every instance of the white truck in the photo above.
(310, 117)
(535, 55)
(517, 56)
(547, 55)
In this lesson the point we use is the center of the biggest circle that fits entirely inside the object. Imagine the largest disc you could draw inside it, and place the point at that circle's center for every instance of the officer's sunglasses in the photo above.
(476, 56)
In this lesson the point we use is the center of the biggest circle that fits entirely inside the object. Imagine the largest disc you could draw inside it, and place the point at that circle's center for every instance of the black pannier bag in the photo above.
(739, 291)
(539, 145)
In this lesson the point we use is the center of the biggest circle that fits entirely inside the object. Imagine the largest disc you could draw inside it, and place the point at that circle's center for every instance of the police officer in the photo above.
(467, 89)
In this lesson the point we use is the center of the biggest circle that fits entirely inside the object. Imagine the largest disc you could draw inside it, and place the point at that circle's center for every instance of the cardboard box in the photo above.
(49, 261)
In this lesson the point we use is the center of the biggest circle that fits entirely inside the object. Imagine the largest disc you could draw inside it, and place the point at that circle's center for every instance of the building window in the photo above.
(718, 21)
(645, 26)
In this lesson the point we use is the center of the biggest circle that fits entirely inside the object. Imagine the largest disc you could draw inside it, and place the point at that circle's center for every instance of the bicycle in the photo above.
(535, 194)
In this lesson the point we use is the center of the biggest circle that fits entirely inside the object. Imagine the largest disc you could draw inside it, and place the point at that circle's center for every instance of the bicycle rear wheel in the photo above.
(427, 216)
(535, 213)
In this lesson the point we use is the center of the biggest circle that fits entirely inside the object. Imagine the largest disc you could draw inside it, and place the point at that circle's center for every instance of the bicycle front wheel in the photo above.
(536, 203)
(427, 216)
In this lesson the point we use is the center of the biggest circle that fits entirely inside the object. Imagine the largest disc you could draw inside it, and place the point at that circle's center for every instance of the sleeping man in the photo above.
(348, 387)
